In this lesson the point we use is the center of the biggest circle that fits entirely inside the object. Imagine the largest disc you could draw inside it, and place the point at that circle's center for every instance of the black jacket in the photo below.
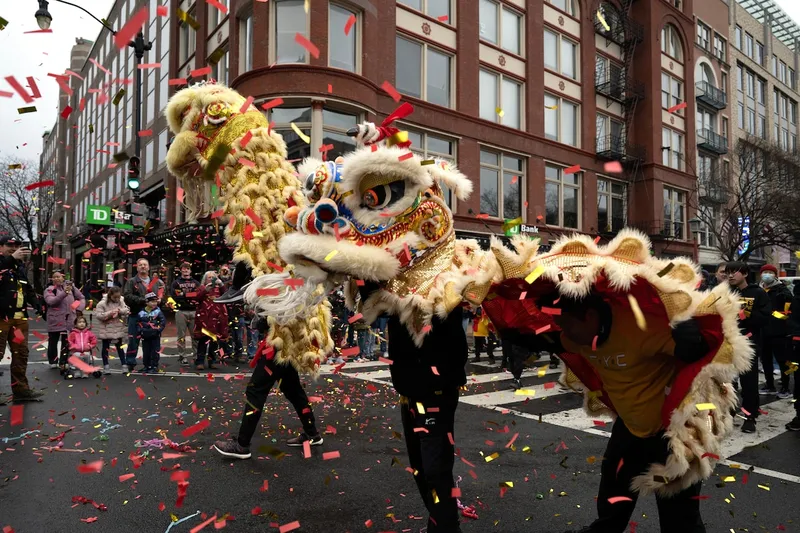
(779, 298)
(135, 291)
(179, 290)
(757, 311)
(794, 316)
(12, 278)
(444, 347)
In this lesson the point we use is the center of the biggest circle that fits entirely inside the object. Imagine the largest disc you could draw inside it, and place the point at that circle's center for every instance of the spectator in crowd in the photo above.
(211, 321)
(379, 330)
(149, 324)
(16, 295)
(775, 341)
(794, 333)
(339, 319)
(721, 275)
(183, 292)
(112, 324)
(60, 298)
(236, 319)
(754, 317)
(81, 343)
(134, 293)
(480, 334)
(366, 341)
(515, 352)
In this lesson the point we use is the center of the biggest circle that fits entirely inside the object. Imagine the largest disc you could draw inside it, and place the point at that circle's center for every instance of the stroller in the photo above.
(87, 358)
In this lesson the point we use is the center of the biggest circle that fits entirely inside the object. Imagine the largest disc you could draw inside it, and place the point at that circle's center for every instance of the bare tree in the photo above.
(26, 214)
(754, 204)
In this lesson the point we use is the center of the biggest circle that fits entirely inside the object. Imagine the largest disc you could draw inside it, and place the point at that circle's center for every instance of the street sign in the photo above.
(103, 215)
(522, 229)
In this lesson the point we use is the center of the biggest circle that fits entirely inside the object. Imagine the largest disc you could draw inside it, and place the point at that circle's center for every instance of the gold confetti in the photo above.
(551, 107)
(524, 392)
(499, 112)
(331, 255)
(300, 134)
(435, 496)
(533, 276)
(705, 406)
(542, 371)
(509, 484)
(729, 479)
(779, 315)
(492, 457)
(209, 334)
(763, 487)
(602, 20)
(637, 312)
(420, 408)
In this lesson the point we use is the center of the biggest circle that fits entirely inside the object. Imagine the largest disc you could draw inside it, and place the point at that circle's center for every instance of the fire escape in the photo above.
(617, 85)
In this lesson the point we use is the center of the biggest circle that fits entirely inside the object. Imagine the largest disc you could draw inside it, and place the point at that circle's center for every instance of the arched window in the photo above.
(704, 73)
(671, 42)
(612, 18)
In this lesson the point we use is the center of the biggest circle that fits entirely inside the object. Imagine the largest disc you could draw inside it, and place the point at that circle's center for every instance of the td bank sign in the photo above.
(102, 215)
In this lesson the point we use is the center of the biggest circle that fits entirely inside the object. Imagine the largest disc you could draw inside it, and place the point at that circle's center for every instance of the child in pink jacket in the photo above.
(81, 343)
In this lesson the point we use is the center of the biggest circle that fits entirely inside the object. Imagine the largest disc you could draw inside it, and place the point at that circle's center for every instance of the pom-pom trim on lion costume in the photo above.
(665, 293)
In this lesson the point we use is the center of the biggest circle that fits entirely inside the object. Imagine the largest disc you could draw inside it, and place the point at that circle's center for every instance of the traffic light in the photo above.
(133, 173)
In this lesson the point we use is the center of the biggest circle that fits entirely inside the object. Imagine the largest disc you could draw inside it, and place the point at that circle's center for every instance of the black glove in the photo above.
(690, 345)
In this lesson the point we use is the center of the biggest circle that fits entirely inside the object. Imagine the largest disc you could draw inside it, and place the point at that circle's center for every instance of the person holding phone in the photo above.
(60, 298)
(16, 295)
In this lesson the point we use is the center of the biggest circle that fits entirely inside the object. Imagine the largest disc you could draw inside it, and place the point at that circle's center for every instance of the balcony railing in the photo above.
(712, 190)
(620, 28)
(713, 142)
(617, 148)
(617, 86)
(710, 95)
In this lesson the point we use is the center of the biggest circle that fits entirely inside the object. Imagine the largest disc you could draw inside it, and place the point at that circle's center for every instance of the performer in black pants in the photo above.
(267, 371)
(515, 352)
(428, 379)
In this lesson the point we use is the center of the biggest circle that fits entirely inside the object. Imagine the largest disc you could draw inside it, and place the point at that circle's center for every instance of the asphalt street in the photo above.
(101, 440)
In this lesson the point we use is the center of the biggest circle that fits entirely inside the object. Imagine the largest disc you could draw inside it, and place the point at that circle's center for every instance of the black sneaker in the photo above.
(516, 384)
(300, 439)
(766, 391)
(749, 426)
(794, 425)
(232, 448)
(29, 395)
(554, 364)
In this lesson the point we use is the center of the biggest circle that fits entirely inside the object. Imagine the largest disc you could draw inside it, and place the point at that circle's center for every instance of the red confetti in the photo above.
(16, 415)
(217, 214)
(200, 526)
(613, 167)
(385, 360)
(389, 88)
(177, 81)
(619, 466)
(125, 477)
(200, 72)
(145, 66)
(574, 169)
(330, 88)
(555, 311)
(677, 107)
(405, 156)
(141, 393)
(161, 506)
(255, 511)
(246, 105)
(617, 499)
(712, 455)
(191, 430)
(45, 183)
(443, 18)
(274, 266)
(145, 133)
(139, 246)
(218, 5)
(349, 352)
(368, 523)
(310, 47)
(355, 318)
(253, 216)
(34, 88)
(268, 292)
(307, 449)
(90, 468)
(246, 139)
(19, 88)
(597, 239)
(162, 11)
(291, 526)
(275, 102)
(349, 25)
(134, 24)
(246, 162)
(543, 329)
(600, 423)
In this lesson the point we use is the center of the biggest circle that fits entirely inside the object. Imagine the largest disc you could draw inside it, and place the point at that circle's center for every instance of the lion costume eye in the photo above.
(382, 196)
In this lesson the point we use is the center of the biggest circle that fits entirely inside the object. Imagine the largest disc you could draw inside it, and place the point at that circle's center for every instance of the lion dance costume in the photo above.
(377, 221)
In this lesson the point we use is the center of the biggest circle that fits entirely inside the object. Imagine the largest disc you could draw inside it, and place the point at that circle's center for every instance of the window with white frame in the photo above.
(220, 66)
(562, 194)
(671, 42)
(560, 54)
(671, 91)
(674, 213)
(215, 15)
(500, 99)
(246, 44)
(561, 119)
(611, 211)
(738, 37)
(502, 183)
(703, 36)
(342, 48)
(501, 25)
(570, 7)
(720, 47)
(611, 72)
(187, 41)
(607, 126)
(759, 57)
(423, 71)
(334, 132)
(672, 148)
(289, 19)
(434, 146)
(705, 235)
(283, 118)
(748, 45)
(438, 9)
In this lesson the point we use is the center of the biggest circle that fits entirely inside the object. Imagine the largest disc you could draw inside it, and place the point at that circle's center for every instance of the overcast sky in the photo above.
(37, 54)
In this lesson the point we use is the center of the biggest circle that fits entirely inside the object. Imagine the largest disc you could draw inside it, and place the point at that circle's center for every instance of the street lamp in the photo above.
(139, 45)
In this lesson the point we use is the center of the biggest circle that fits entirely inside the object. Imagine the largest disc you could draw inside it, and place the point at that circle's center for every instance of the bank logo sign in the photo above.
(103, 215)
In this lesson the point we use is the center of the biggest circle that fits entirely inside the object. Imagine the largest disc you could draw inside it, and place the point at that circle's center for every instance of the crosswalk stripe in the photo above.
(504, 397)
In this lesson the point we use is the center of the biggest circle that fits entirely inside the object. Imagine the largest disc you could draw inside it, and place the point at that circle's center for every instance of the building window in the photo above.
(187, 41)
(674, 213)
(748, 45)
(609, 126)
(342, 48)
(724, 132)
(672, 148)
(289, 20)
(705, 236)
(568, 6)
(762, 126)
(775, 65)
(671, 91)
(246, 44)
(761, 91)
(703, 36)
(215, 15)
(720, 47)
(561, 120)
(759, 53)
(738, 37)
(671, 42)
(219, 70)
(611, 212)
(501, 26)
(560, 54)
(562, 197)
(423, 71)
(334, 132)
(438, 9)
(782, 72)
(433, 146)
(283, 118)
(500, 99)
(706, 120)
(502, 183)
